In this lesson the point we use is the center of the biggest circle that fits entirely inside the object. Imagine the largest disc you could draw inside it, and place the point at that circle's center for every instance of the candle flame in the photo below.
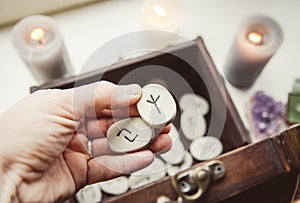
(159, 10)
(37, 34)
(256, 38)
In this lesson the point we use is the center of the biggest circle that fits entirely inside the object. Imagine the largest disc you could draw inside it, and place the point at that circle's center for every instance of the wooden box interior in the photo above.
(234, 134)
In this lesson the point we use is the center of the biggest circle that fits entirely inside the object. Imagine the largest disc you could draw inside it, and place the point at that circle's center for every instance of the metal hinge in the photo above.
(190, 185)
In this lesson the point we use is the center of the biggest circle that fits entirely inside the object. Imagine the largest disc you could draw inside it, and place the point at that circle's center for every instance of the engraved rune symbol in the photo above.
(154, 102)
(126, 137)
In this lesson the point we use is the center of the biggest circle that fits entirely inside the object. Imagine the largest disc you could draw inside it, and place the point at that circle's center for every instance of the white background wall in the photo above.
(13, 10)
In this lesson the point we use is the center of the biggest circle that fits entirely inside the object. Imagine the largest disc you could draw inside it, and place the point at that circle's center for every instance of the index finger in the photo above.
(95, 97)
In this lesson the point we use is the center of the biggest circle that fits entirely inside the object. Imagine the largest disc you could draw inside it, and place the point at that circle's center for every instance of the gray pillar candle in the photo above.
(38, 42)
(257, 39)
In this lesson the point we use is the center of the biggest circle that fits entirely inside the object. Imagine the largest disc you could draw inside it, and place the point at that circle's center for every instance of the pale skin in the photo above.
(43, 148)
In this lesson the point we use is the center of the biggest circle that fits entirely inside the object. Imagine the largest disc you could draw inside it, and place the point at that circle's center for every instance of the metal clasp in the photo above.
(190, 185)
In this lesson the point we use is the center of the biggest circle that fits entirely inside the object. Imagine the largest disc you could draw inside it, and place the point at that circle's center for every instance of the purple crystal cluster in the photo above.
(266, 114)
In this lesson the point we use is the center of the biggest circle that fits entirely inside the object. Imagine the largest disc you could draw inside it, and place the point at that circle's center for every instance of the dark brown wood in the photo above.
(297, 196)
(265, 172)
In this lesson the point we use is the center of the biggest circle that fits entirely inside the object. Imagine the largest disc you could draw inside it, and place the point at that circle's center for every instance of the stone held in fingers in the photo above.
(156, 106)
(129, 135)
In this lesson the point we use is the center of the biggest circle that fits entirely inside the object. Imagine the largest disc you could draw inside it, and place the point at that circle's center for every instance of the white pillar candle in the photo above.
(39, 43)
(163, 15)
(257, 39)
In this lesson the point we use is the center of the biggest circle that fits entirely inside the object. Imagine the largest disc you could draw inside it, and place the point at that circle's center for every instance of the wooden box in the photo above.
(250, 175)
(234, 134)
(266, 172)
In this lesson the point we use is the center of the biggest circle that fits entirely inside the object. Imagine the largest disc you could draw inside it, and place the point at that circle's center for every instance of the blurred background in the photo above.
(85, 25)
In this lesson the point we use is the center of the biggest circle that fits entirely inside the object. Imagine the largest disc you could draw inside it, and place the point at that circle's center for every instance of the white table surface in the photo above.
(87, 28)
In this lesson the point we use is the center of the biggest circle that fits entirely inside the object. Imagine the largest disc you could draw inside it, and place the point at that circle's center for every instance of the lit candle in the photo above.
(159, 10)
(255, 38)
(40, 45)
(163, 15)
(255, 43)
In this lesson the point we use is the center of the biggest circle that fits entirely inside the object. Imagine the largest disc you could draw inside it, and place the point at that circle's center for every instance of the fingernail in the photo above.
(134, 91)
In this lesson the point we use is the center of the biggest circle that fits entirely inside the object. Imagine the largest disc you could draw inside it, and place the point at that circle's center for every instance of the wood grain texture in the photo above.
(259, 173)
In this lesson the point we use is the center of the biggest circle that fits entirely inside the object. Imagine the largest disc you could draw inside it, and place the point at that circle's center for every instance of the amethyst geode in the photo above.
(266, 115)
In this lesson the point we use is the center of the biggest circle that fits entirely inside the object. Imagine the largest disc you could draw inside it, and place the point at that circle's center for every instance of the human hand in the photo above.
(44, 138)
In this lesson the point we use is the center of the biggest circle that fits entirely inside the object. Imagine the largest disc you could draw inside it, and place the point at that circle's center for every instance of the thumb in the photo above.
(93, 98)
